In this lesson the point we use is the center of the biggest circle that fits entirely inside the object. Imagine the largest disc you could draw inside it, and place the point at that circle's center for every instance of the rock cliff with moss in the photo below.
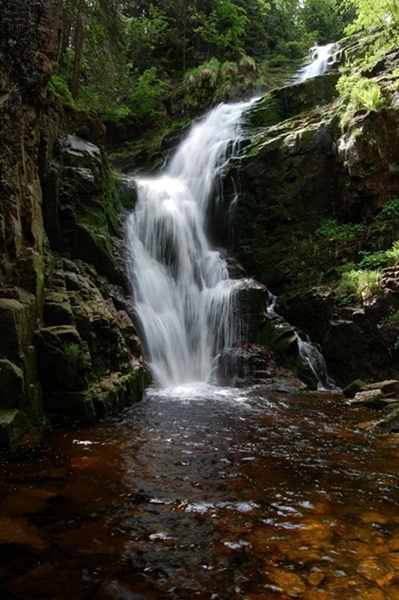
(68, 344)
(318, 213)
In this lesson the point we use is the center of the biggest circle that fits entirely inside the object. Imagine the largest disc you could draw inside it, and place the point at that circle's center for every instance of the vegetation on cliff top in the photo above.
(138, 60)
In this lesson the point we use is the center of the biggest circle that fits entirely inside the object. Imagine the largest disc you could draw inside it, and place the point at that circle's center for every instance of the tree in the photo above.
(78, 47)
(376, 13)
(223, 30)
(323, 20)
(256, 34)
(286, 34)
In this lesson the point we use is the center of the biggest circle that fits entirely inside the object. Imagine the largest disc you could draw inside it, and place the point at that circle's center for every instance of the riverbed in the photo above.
(209, 493)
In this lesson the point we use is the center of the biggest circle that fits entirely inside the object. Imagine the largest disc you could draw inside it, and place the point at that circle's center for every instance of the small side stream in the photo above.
(210, 493)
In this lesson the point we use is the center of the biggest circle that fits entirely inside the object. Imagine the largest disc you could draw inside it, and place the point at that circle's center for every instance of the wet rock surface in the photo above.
(383, 397)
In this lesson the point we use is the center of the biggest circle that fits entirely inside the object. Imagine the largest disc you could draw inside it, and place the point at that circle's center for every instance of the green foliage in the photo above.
(372, 260)
(145, 35)
(357, 285)
(391, 319)
(59, 87)
(358, 93)
(128, 55)
(361, 281)
(72, 353)
(216, 81)
(381, 258)
(323, 19)
(371, 14)
(148, 93)
(333, 230)
(391, 324)
(379, 20)
(223, 29)
(138, 98)
(390, 210)
(393, 254)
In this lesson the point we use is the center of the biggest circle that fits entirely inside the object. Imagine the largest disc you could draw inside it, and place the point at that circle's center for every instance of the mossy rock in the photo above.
(354, 387)
(119, 390)
(13, 424)
(63, 363)
(292, 100)
(389, 424)
(78, 406)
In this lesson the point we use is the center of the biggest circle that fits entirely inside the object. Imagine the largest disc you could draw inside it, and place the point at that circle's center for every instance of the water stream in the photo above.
(212, 494)
(320, 59)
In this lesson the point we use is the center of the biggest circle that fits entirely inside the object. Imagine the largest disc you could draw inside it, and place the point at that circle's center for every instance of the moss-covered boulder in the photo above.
(89, 353)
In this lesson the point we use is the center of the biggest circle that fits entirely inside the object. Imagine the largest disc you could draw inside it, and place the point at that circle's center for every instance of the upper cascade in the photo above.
(184, 298)
(321, 58)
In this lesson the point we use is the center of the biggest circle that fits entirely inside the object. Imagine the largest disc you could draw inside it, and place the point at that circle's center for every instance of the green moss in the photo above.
(102, 218)
(268, 111)
(59, 88)
(292, 100)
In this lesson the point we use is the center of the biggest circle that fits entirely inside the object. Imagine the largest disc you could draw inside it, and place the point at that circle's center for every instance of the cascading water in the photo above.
(320, 60)
(185, 302)
(184, 298)
(315, 359)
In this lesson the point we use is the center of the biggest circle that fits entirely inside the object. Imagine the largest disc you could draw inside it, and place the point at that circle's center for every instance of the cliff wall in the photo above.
(68, 346)
(311, 198)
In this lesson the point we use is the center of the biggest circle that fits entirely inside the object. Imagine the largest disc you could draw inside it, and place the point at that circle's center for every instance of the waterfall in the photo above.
(320, 60)
(314, 358)
(184, 299)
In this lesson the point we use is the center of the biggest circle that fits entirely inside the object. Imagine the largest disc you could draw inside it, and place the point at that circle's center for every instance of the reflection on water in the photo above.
(209, 494)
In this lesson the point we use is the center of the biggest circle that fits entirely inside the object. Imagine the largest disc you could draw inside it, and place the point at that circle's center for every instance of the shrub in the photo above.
(381, 258)
(358, 285)
(59, 87)
(333, 230)
(358, 93)
(390, 210)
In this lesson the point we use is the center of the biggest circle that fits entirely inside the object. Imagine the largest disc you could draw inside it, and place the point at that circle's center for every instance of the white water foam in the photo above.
(184, 298)
(320, 61)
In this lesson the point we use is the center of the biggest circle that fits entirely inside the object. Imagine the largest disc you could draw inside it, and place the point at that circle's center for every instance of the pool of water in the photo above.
(208, 493)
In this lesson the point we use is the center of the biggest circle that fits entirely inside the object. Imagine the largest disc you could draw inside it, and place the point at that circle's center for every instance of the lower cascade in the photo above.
(314, 358)
(185, 300)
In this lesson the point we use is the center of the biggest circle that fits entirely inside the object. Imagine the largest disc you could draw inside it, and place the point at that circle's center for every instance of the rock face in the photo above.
(299, 168)
(68, 345)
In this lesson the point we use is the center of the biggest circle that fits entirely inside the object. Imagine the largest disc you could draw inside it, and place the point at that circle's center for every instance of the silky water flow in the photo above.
(185, 302)
(184, 297)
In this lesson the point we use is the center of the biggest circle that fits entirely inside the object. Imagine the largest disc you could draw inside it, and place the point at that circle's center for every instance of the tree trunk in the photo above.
(78, 43)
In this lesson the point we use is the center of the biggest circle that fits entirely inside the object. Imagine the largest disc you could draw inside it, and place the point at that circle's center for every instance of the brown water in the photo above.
(213, 495)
